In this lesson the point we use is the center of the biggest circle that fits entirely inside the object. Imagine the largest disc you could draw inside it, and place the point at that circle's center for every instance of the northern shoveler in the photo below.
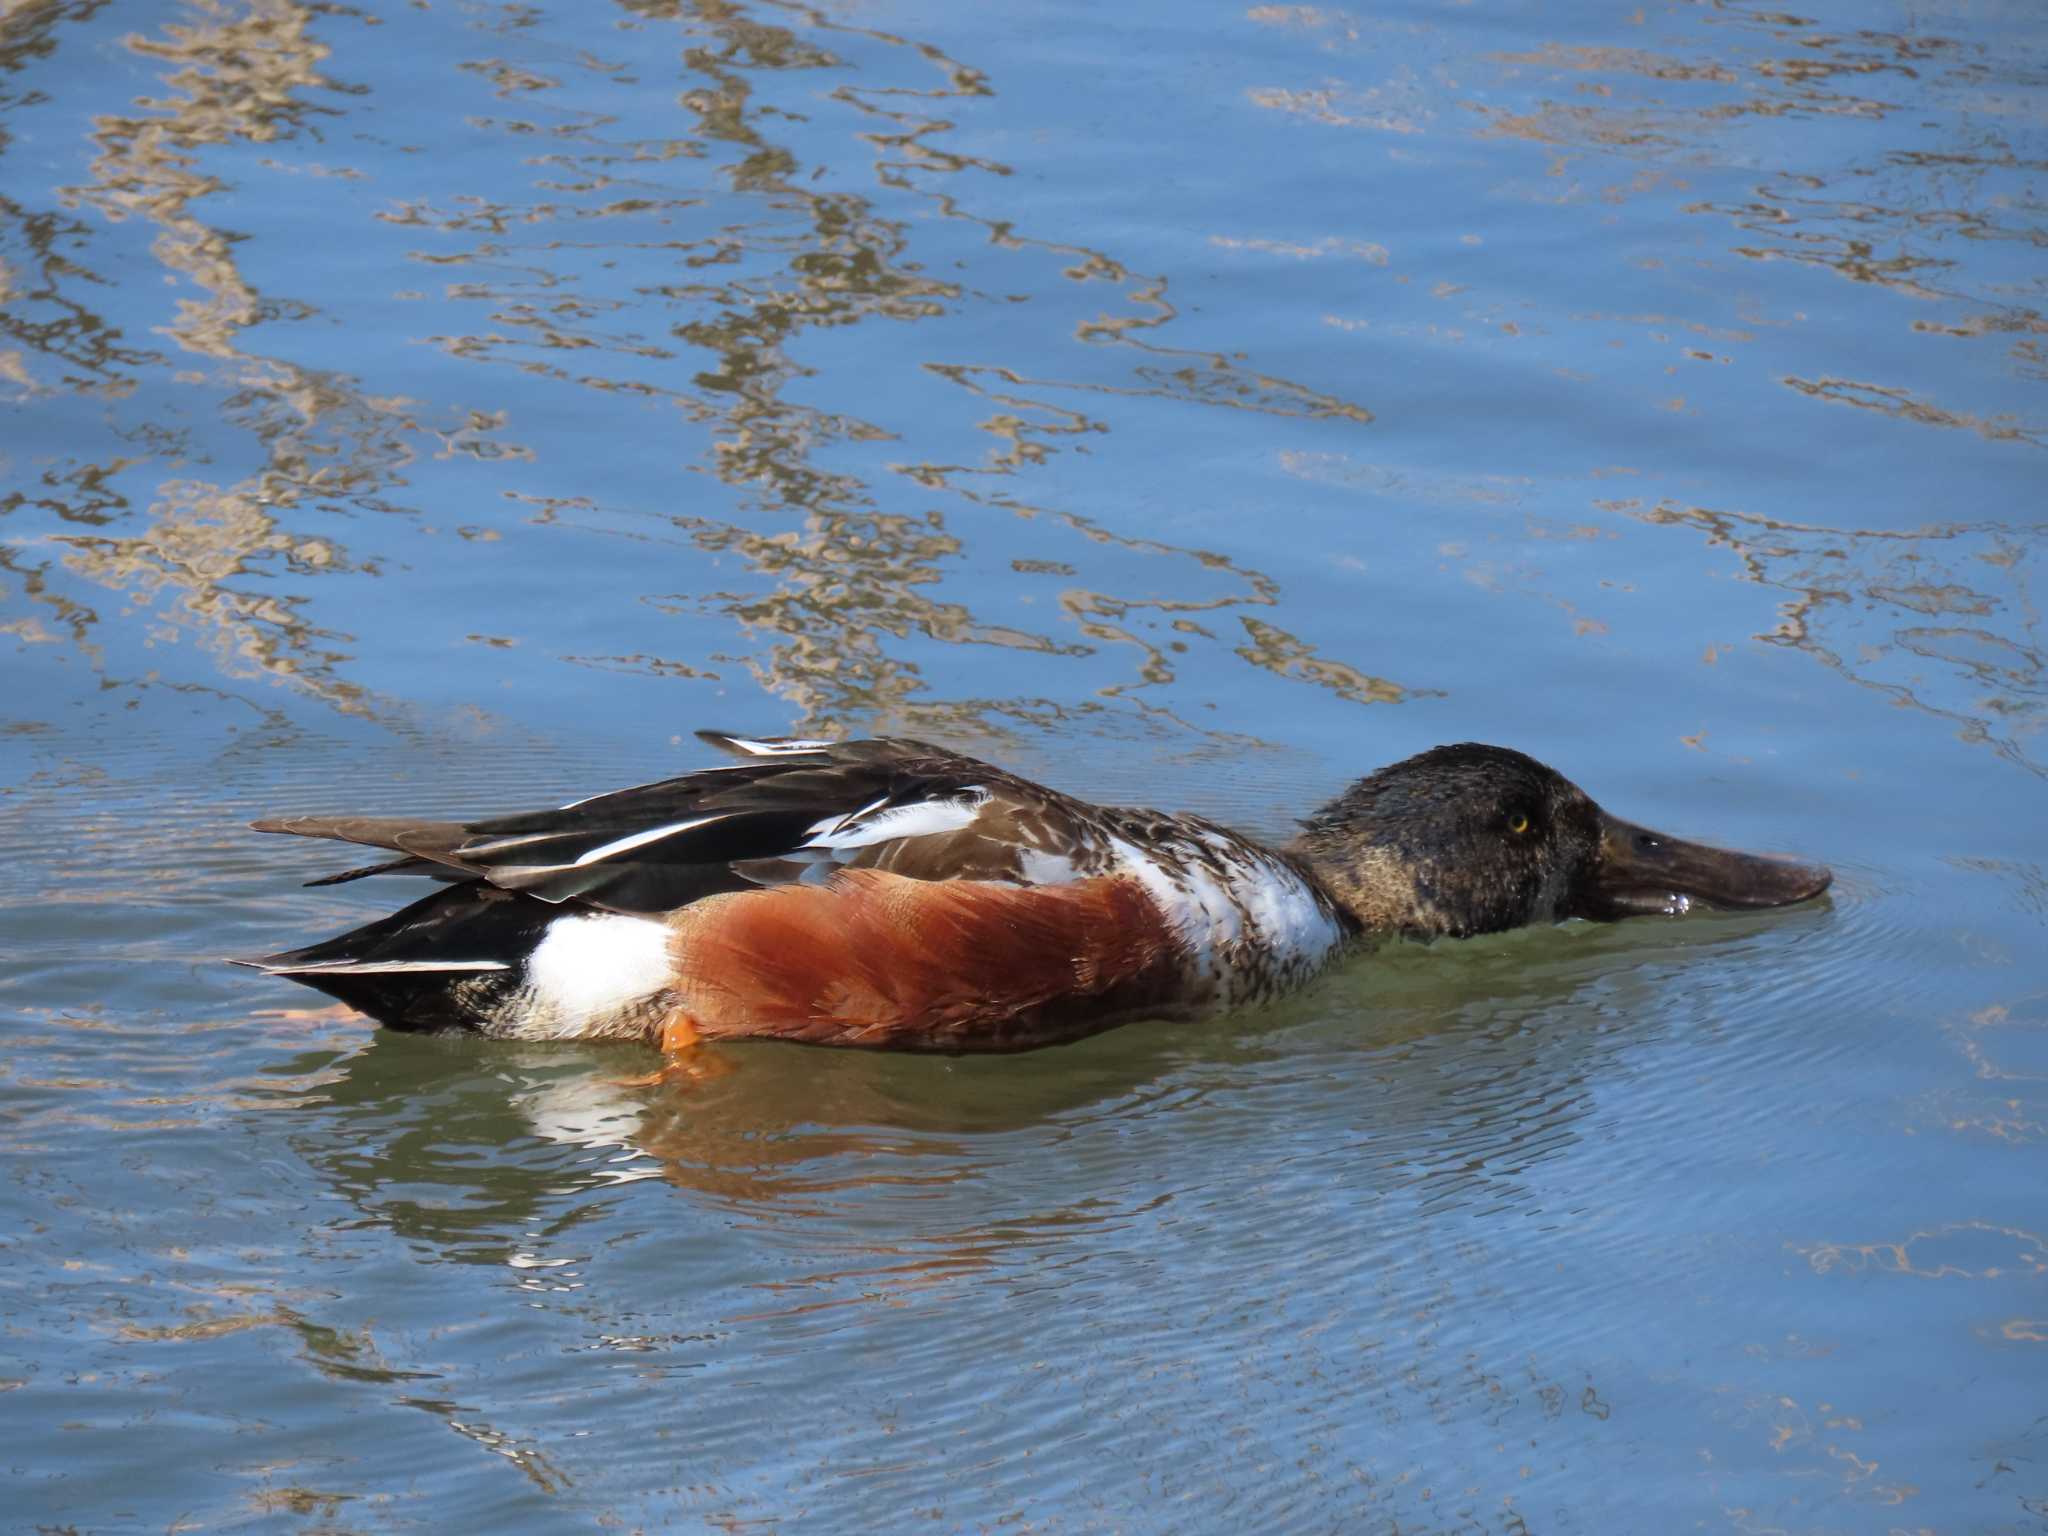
(893, 894)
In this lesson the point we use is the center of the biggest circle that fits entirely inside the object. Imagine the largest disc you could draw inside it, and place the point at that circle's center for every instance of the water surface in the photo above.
(444, 408)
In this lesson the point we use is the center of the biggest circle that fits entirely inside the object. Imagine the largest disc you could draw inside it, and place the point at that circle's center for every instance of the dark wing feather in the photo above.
(787, 811)
(404, 866)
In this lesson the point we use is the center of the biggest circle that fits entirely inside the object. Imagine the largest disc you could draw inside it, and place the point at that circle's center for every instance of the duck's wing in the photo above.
(788, 811)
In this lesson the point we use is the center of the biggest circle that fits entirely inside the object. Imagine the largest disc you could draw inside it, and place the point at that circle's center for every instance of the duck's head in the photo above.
(1471, 839)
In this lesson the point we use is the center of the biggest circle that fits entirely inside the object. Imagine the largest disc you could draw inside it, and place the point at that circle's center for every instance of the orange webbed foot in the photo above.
(686, 1061)
(333, 1013)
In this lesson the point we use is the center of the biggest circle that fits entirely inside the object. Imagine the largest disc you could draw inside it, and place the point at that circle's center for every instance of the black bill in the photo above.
(1640, 871)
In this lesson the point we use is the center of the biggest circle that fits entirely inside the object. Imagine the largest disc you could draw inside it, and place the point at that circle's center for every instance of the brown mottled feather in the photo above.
(877, 959)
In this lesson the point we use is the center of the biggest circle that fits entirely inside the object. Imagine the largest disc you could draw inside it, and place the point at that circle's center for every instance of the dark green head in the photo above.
(1473, 839)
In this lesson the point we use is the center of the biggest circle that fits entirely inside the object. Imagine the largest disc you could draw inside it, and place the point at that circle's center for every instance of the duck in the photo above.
(892, 894)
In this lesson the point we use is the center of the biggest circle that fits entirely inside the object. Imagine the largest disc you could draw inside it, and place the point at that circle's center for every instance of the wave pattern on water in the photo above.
(442, 410)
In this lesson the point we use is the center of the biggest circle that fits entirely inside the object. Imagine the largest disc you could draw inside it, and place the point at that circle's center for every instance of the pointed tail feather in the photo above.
(401, 834)
(451, 961)
(405, 866)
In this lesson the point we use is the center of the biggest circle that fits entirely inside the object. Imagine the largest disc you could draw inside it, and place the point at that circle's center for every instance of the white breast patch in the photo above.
(1251, 925)
(1280, 907)
(1200, 909)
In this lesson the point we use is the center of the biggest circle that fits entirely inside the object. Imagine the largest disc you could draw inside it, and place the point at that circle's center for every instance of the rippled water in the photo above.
(438, 408)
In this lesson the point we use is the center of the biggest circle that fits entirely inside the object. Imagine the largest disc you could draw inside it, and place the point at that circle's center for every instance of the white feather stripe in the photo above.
(634, 840)
(784, 747)
(500, 844)
(380, 967)
(829, 824)
(926, 818)
(570, 805)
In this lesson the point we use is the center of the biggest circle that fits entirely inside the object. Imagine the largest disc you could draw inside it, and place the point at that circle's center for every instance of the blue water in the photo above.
(445, 409)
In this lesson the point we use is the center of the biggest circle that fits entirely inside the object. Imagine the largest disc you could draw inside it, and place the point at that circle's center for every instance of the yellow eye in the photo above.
(1518, 823)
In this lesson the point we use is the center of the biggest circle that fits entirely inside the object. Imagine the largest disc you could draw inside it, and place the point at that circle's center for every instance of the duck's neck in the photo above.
(1372, 887)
